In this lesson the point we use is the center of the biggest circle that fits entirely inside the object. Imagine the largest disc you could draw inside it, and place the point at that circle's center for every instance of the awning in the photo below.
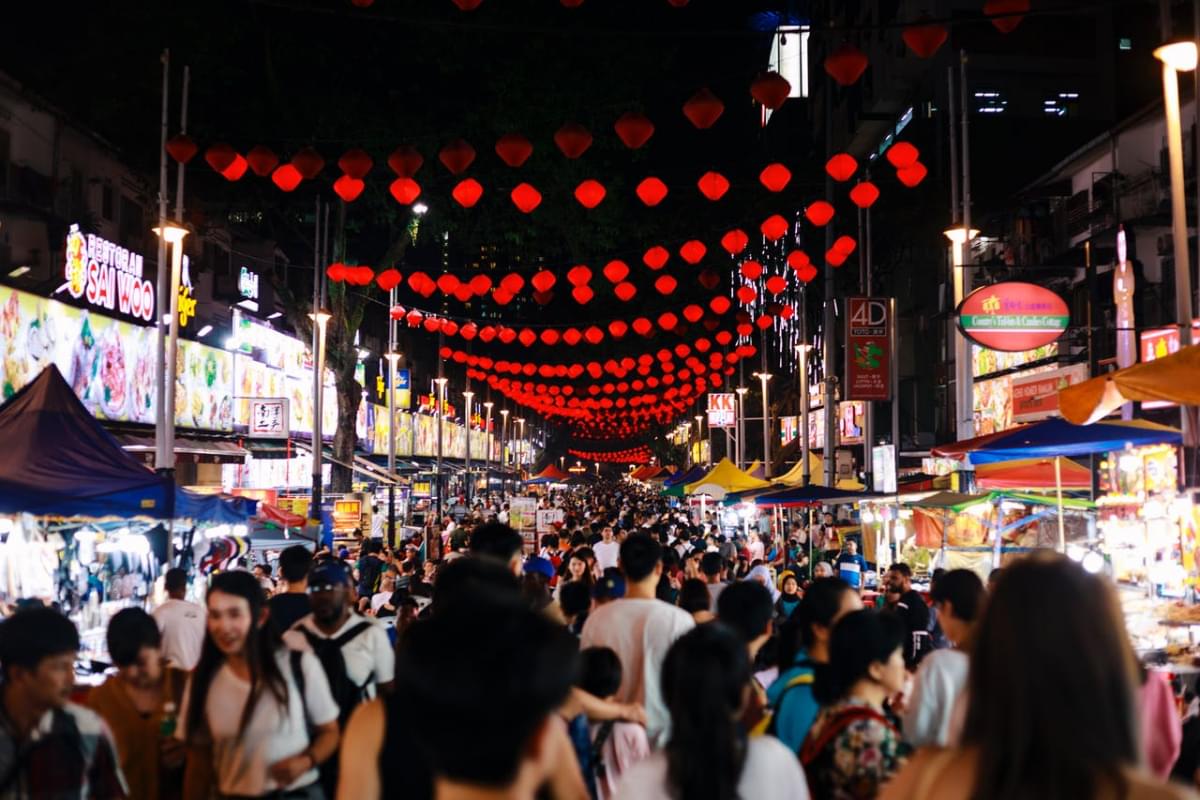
(1033, 473)
(277, 516)
(1053, 438)
(1173, 379)
(814, 496)
(949, 501)
(361, 466)
(190, 449)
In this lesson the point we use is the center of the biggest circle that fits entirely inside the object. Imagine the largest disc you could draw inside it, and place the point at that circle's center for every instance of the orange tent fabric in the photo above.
(1032, 473)
(1174, 379)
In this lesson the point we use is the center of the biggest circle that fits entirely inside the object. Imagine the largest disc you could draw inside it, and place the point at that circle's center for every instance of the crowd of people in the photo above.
(633, 655)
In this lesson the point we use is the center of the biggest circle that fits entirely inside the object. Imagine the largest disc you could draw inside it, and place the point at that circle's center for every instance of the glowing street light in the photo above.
(167, 345)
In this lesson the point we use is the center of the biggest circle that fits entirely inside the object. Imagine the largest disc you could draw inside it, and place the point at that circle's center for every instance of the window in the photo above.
(990, 102)
(1061, 105)
(106, 201)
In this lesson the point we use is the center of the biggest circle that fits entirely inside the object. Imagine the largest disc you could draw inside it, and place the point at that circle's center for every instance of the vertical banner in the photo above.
(868, 349)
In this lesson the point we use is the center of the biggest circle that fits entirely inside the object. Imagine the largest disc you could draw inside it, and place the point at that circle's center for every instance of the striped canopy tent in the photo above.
(1033, 473)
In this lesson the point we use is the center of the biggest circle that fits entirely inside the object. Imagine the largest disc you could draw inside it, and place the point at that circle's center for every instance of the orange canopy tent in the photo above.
(1174, 379)
(1032, 473)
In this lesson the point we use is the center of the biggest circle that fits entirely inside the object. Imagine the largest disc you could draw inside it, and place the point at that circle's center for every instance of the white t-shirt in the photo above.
(242, 758)
(369, 656)
(607, 554)
(378, 599)
(939, 683)
(756, 550)
(641, 632)
(182, 626)
(771, 772)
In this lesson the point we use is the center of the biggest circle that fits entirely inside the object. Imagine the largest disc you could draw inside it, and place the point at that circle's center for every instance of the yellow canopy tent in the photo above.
(795, 475)
(755, 470)
(724, 478)
(1174, 378)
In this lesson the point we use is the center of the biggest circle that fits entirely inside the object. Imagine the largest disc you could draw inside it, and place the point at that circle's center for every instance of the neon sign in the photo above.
(248, 284)
(106, 275)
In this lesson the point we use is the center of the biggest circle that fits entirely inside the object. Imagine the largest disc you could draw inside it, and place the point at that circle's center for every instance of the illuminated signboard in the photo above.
(1013, 316)
(106, 275)
(1159, 342)
(248, 284)
(721, 409)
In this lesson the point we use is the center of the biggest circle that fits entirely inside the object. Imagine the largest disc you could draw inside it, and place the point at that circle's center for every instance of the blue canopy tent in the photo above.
(1057, 437)
(813, 495)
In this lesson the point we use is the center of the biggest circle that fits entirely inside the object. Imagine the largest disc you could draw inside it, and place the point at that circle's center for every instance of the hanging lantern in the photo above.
(693, 313)
(643, 326)
(834, 258)
(262, 160)
(703, 109)
(467, 5)
(709, 279)
(713, 185)
(219, 156)
(396, 313)
(336, 272)
(590, 193)
(651, 191)
(746, 295)
(845, 245)
(594, 335)
(286, 177)
(415, 279)
(616, 271)
(618, 328)
(775, 177)
(573, 139)
(582, 294)
(480, 285)
(572, 336)
(668, 321)
(1006, 15)
(925, 38)
(776, 284)
(693, 251)
(656, 257)
(543, 281)
(550, 337)
(771, 89)
(797, 259)
(507, 335)
(752, 270)
(348, 188)
(735, 241)
(309, 162)
(414, 318)
(774, 227)
(720, 304)
(457, 156)
(405, 190)
(579, 275)
(764, 321)
(487, 333)
(405, 160)
(634, 129)
(723, 338)
(182, 148)
(819, 213)
(571, 3)
(512, 283)
(665, 284)
(355, 163)
(841, 167)
(526, 198)
(625, 291)
(236, 170)
(462, 293)
(447, 283)
(864, 194)
(527, 337)
(467, 193)
(514, 149)
(913, 174)
(388, 279)
(902, 154)
(846, 64)
(362, 275)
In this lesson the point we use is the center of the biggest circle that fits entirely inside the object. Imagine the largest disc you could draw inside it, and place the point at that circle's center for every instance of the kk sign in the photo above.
(721, 410)
(868, 348)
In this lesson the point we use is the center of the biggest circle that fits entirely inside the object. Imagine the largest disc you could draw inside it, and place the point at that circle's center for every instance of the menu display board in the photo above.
(985, 361)
(994, 401)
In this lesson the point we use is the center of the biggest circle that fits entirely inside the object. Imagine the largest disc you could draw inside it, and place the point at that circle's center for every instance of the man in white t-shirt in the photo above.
(641, 629)
(607, 550)
(180, 622)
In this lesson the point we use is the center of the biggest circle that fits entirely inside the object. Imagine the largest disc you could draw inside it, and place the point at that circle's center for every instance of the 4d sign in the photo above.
(868, 348)
(1013, 316)
(106, 275)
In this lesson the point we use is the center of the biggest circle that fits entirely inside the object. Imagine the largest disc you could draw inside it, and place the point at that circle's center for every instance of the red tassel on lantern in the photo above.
(1006, 15)
(864, 194)
(925, 38)
(309, 162)
(846, 64)
(348, 188)
(651, 191)
(355, 163)
(405, 160)
(405, 190)
(514, 149)
(286, 177)
(771, 89)
(467, 193)
(457, 156)
(713, 185)
(573, 139)
(526, 198)
(693, 251)
(774, 227)
(819, 213)
(634, 129)
(656, 257)
(703, 109)
(590, 193)
(841, 167)
(182, 148)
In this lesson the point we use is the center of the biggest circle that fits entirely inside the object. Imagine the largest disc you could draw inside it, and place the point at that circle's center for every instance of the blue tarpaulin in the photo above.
(1057, 437)
(694, 474)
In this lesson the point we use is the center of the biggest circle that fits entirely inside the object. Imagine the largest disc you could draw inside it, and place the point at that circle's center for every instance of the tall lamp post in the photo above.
(321, 319)
(441, 414)
(964, 380)
(803, 351)
(487, 461)
(504, 451)
(165, 457)
(468, 396)
(741, 425)
(700, 435)
(392, 357)
(766, 422)
(520, 444)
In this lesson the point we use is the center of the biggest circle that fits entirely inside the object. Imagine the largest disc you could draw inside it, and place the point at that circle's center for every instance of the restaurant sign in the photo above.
(106, 275)
(1013, 316)
(1035, 397)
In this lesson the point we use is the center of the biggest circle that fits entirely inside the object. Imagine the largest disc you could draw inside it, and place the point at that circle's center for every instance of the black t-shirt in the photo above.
(287, 609)
(912, 609)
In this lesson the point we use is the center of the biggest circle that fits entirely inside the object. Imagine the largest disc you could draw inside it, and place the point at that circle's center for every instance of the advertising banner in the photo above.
(546, 517)
(269, 417)
(722, 409)
(1013, 316)
(868, 348)
(1035, 397)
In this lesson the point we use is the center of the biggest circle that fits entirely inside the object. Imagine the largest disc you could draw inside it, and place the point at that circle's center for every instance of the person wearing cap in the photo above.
(607, 589)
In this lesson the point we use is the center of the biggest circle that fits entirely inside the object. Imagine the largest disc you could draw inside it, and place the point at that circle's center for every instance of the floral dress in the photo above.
(851, 751)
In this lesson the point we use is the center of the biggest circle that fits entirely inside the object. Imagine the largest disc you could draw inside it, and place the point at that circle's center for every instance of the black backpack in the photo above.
(346, 693)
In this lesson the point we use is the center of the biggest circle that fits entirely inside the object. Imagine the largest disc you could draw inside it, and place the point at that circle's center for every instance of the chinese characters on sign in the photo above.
(1013, 316)
(269, 417)
(868, 349)
(106, 275)
(721, 410)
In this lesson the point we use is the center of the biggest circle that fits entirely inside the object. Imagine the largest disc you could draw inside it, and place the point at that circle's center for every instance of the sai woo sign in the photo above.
(1013, 316)
(107, 275)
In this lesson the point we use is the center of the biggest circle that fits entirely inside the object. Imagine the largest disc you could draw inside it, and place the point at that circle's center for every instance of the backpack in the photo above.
(804, 679)
(812, 749)
(346, 693)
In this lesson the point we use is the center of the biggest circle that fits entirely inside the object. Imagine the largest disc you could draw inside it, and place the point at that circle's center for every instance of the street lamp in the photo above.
(468, 395)
(1178, 57)
(504, 451)
(320, 318)
(520, 444)
(167, 345)
(441, 415)
(392, 358)
(766, 404)
(487, 460)
(803, 349)
(699, 432)
(964, 380)
(741, 412)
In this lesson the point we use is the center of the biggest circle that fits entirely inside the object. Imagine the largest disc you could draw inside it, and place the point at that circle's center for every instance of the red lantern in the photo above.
(336, 272)
(616, 271)
(457, 156)
(764, 321)
(405, 190)
(467, 193)
(667, 321)
(405, 160)
(286, 177)
(703, 109)
(388, 279)
(348, 188)
(467, 5)
(693, 313)
(414, 318)
(651, 191)
(776, 284)
(835, 259)
(1006, 15)
(487, 333)
(579, 275)
(573, 139)
(775, 177)
(841, 167)
(396, 313)
(656, 257)
(713, 185)
(582, 294)
(447, 283)
(693, 251)
(665, 284)
(527, 337)
(709, 279)
(450, 327)
(864, 194)
(480, 285)
(355, 163)
(902, 154)
(797, 259)
(634, 129)
(845, 244)
(262, 160)
(182, 148)
(590, 193)
(508, 335)
(618, 328)
(220, 156)
(846, 64)
(752, 270)
(723, 338)
(774, 227)
(594, 335)
(572, 336)
(512, 283)
(526, 198)
(913, 174)
(924, 38)
(746, 295)
(771, 89)
(513, 149)
(543, 281)
(236, 170)
(550, 337)
(719, 304)
(625, 291)
(309, 162)
(735, 241)
(819, 213)
(642, 326)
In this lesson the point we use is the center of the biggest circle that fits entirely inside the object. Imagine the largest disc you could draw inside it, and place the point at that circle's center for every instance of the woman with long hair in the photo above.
(578, 569)
(854, 747)
(706, 677)
(251, 702)
(1051, 687)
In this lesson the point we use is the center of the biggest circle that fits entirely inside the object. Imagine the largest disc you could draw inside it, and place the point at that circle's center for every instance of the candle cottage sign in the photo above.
(107, 275)
(1013, 316)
